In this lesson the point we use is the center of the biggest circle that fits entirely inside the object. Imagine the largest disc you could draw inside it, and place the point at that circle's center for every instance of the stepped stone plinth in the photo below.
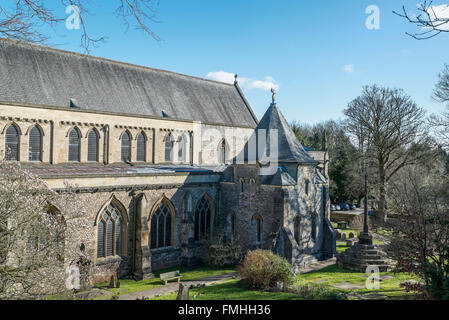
(362, 255)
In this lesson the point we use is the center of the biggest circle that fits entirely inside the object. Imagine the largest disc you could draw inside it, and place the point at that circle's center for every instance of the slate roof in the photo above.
(319, 178)
(37, 75)
(89, 170)
(290, 149)
(280, 178)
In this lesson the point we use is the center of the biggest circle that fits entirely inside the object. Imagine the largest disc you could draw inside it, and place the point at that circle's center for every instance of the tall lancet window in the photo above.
(256, 222)
(222, 152)
(126, 147)
(182, 149)
(297, 229)
(12, 143)
(92, 146)
(169, 142)
(74, 145)
(35, 145)
(141, 148)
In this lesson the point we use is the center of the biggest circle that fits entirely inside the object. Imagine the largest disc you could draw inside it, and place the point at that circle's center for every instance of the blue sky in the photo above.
(319, 53)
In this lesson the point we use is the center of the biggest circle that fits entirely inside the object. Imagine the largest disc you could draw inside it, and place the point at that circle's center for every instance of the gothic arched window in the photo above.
(182, 149)
(92, 146)
(242, 186)
(256, 222)
(297, 229)
(12, 143)
(188, 203)
(314, 216)
(161, 225)
(169, 142)
(252, 186)
(203, 219)
(110, 230)
(307, 187)
(126, 147)
(74, 145)
(35, 145)
(141, 148)
(221, 151)
(230, 225)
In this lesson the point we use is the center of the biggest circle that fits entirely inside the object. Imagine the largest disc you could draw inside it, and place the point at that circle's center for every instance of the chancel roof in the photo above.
(37, 75)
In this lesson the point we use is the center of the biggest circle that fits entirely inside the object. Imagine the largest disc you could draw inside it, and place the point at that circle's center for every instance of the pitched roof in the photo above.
(280, 178)
(31, 74)
(290, 149)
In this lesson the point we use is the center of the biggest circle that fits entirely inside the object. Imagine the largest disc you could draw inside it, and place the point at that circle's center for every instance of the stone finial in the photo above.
(273, 91)
(236, 77)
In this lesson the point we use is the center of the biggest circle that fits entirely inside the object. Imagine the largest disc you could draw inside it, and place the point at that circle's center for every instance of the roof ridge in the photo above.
(38, 46)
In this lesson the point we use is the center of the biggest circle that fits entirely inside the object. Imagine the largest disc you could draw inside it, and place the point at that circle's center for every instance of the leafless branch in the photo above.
(428, 19)
(25, 19)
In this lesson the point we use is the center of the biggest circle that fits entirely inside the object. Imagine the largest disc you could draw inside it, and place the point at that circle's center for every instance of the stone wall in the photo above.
(255, 200)
(139, 260)
(278, 208)
(56, 124)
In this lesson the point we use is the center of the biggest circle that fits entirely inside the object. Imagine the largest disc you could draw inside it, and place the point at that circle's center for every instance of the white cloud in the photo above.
(250, 84)
(349, 68)
(440, 12)
(221, 76)
(266, 85)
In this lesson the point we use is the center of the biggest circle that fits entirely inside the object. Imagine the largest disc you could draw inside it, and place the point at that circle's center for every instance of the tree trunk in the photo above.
(380, 213)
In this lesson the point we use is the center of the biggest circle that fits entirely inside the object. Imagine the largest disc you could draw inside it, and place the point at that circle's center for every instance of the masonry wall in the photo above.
(278, 208)
(56, 124)
(256, 200)
(184, 249)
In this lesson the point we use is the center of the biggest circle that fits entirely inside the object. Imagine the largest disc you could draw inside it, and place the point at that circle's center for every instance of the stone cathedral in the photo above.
(158, 150)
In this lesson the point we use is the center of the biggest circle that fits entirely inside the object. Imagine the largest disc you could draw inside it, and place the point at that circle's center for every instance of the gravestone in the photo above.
(338, 234)
(183, 292)
(342, 225)
(112, 281)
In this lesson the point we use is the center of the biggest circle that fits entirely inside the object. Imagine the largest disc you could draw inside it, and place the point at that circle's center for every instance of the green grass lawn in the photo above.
(333, 275)
(341, 245)
(188, 274)
(327, 277)
(231, 290)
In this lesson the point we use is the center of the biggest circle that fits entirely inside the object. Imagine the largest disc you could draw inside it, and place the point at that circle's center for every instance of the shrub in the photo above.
(262, 269)
(437, 282)
(222, 251)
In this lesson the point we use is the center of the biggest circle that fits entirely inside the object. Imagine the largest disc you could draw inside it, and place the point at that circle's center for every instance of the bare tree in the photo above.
(420, 239)
(387, 124)
(24, 19)
(441, 122)
(35, 223)
(430, 18)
